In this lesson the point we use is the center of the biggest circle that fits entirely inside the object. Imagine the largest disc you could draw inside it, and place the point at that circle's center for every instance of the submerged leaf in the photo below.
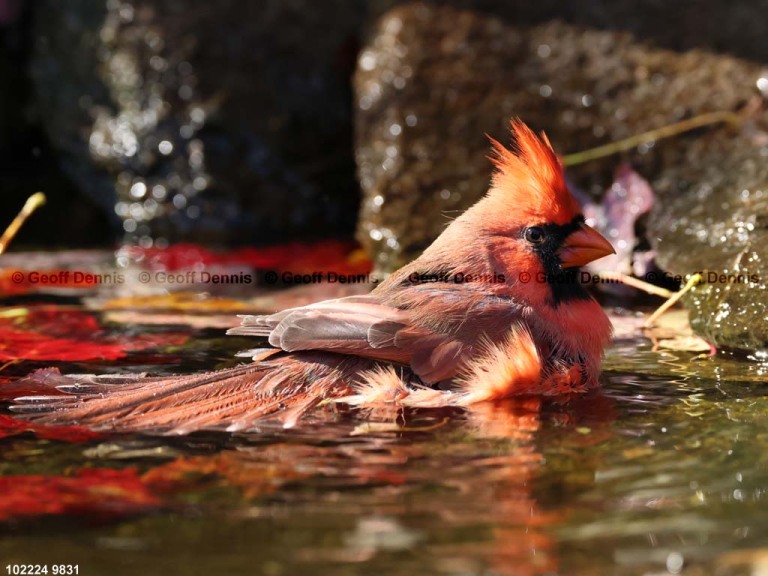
(252, 477)
(55, 333)
(10, 426)
(95, 493)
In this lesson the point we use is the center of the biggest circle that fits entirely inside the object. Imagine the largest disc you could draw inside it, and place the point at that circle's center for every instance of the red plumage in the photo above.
(502, 319)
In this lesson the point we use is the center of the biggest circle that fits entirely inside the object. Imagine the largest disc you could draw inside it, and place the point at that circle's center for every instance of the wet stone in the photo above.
(714, 219)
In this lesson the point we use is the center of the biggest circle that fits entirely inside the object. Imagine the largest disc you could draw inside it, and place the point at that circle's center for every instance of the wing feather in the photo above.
(423, 326)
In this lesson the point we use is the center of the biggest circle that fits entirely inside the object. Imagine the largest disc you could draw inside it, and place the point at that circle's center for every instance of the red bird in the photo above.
(492, 309)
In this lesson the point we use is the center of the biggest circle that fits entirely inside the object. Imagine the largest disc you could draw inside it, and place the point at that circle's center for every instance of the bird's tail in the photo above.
(284, 388)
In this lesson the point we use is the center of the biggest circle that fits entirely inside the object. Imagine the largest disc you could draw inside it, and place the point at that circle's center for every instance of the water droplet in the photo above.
(645, 147)
(158, 63)
(545, 90)
(126, 12)
(138, 190)
(165, 147)
(675, 562)
(180, 201)
(367, 61)
(762, 85)
(200, 183)
(197, 115)
(393, 26)
(186, 92)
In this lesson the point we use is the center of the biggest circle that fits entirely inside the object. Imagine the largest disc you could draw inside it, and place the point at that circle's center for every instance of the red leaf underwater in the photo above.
(10, 426)
(52, 333)
(97, 493)
(106, 494)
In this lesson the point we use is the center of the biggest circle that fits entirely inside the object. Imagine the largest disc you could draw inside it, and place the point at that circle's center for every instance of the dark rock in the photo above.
(226, 122)
(27, 163)
(726, 27)
(714, 219)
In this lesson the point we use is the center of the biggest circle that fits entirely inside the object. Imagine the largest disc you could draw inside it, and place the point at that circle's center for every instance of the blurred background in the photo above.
(261, 122)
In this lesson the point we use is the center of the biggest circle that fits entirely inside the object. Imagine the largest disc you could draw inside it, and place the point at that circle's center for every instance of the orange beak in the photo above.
(583, 246)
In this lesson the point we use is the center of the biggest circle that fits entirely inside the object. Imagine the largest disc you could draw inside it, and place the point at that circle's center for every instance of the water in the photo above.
(664, 472)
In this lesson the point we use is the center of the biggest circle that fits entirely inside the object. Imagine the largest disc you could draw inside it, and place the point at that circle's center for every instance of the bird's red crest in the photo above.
(529, 178)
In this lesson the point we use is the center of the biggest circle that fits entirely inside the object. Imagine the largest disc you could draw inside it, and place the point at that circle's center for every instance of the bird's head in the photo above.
(535, 227)
(530, 219)
(528, 236)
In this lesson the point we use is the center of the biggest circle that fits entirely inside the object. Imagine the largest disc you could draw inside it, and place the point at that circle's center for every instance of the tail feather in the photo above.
(144, 396)
(234, 398)
(197, 408)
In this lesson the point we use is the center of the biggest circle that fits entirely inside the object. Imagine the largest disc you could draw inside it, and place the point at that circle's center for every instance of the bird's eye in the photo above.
(534, 235)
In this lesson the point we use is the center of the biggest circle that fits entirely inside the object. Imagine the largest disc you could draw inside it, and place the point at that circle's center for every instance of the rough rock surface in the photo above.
(714, 219)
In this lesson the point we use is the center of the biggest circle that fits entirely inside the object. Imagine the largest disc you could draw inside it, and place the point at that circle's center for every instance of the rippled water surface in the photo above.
(663, 472)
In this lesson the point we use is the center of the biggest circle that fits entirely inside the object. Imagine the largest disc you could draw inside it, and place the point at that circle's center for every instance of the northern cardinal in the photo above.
(492, 309)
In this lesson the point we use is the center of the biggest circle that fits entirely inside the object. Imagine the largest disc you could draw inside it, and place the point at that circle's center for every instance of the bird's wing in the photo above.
(357, 325)
(461, 319)
(426, 326)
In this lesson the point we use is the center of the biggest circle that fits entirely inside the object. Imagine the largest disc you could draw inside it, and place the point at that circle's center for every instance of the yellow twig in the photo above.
(9, 363)
(33, 203)
(692, 281)
(652, 135)
(636, 283)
